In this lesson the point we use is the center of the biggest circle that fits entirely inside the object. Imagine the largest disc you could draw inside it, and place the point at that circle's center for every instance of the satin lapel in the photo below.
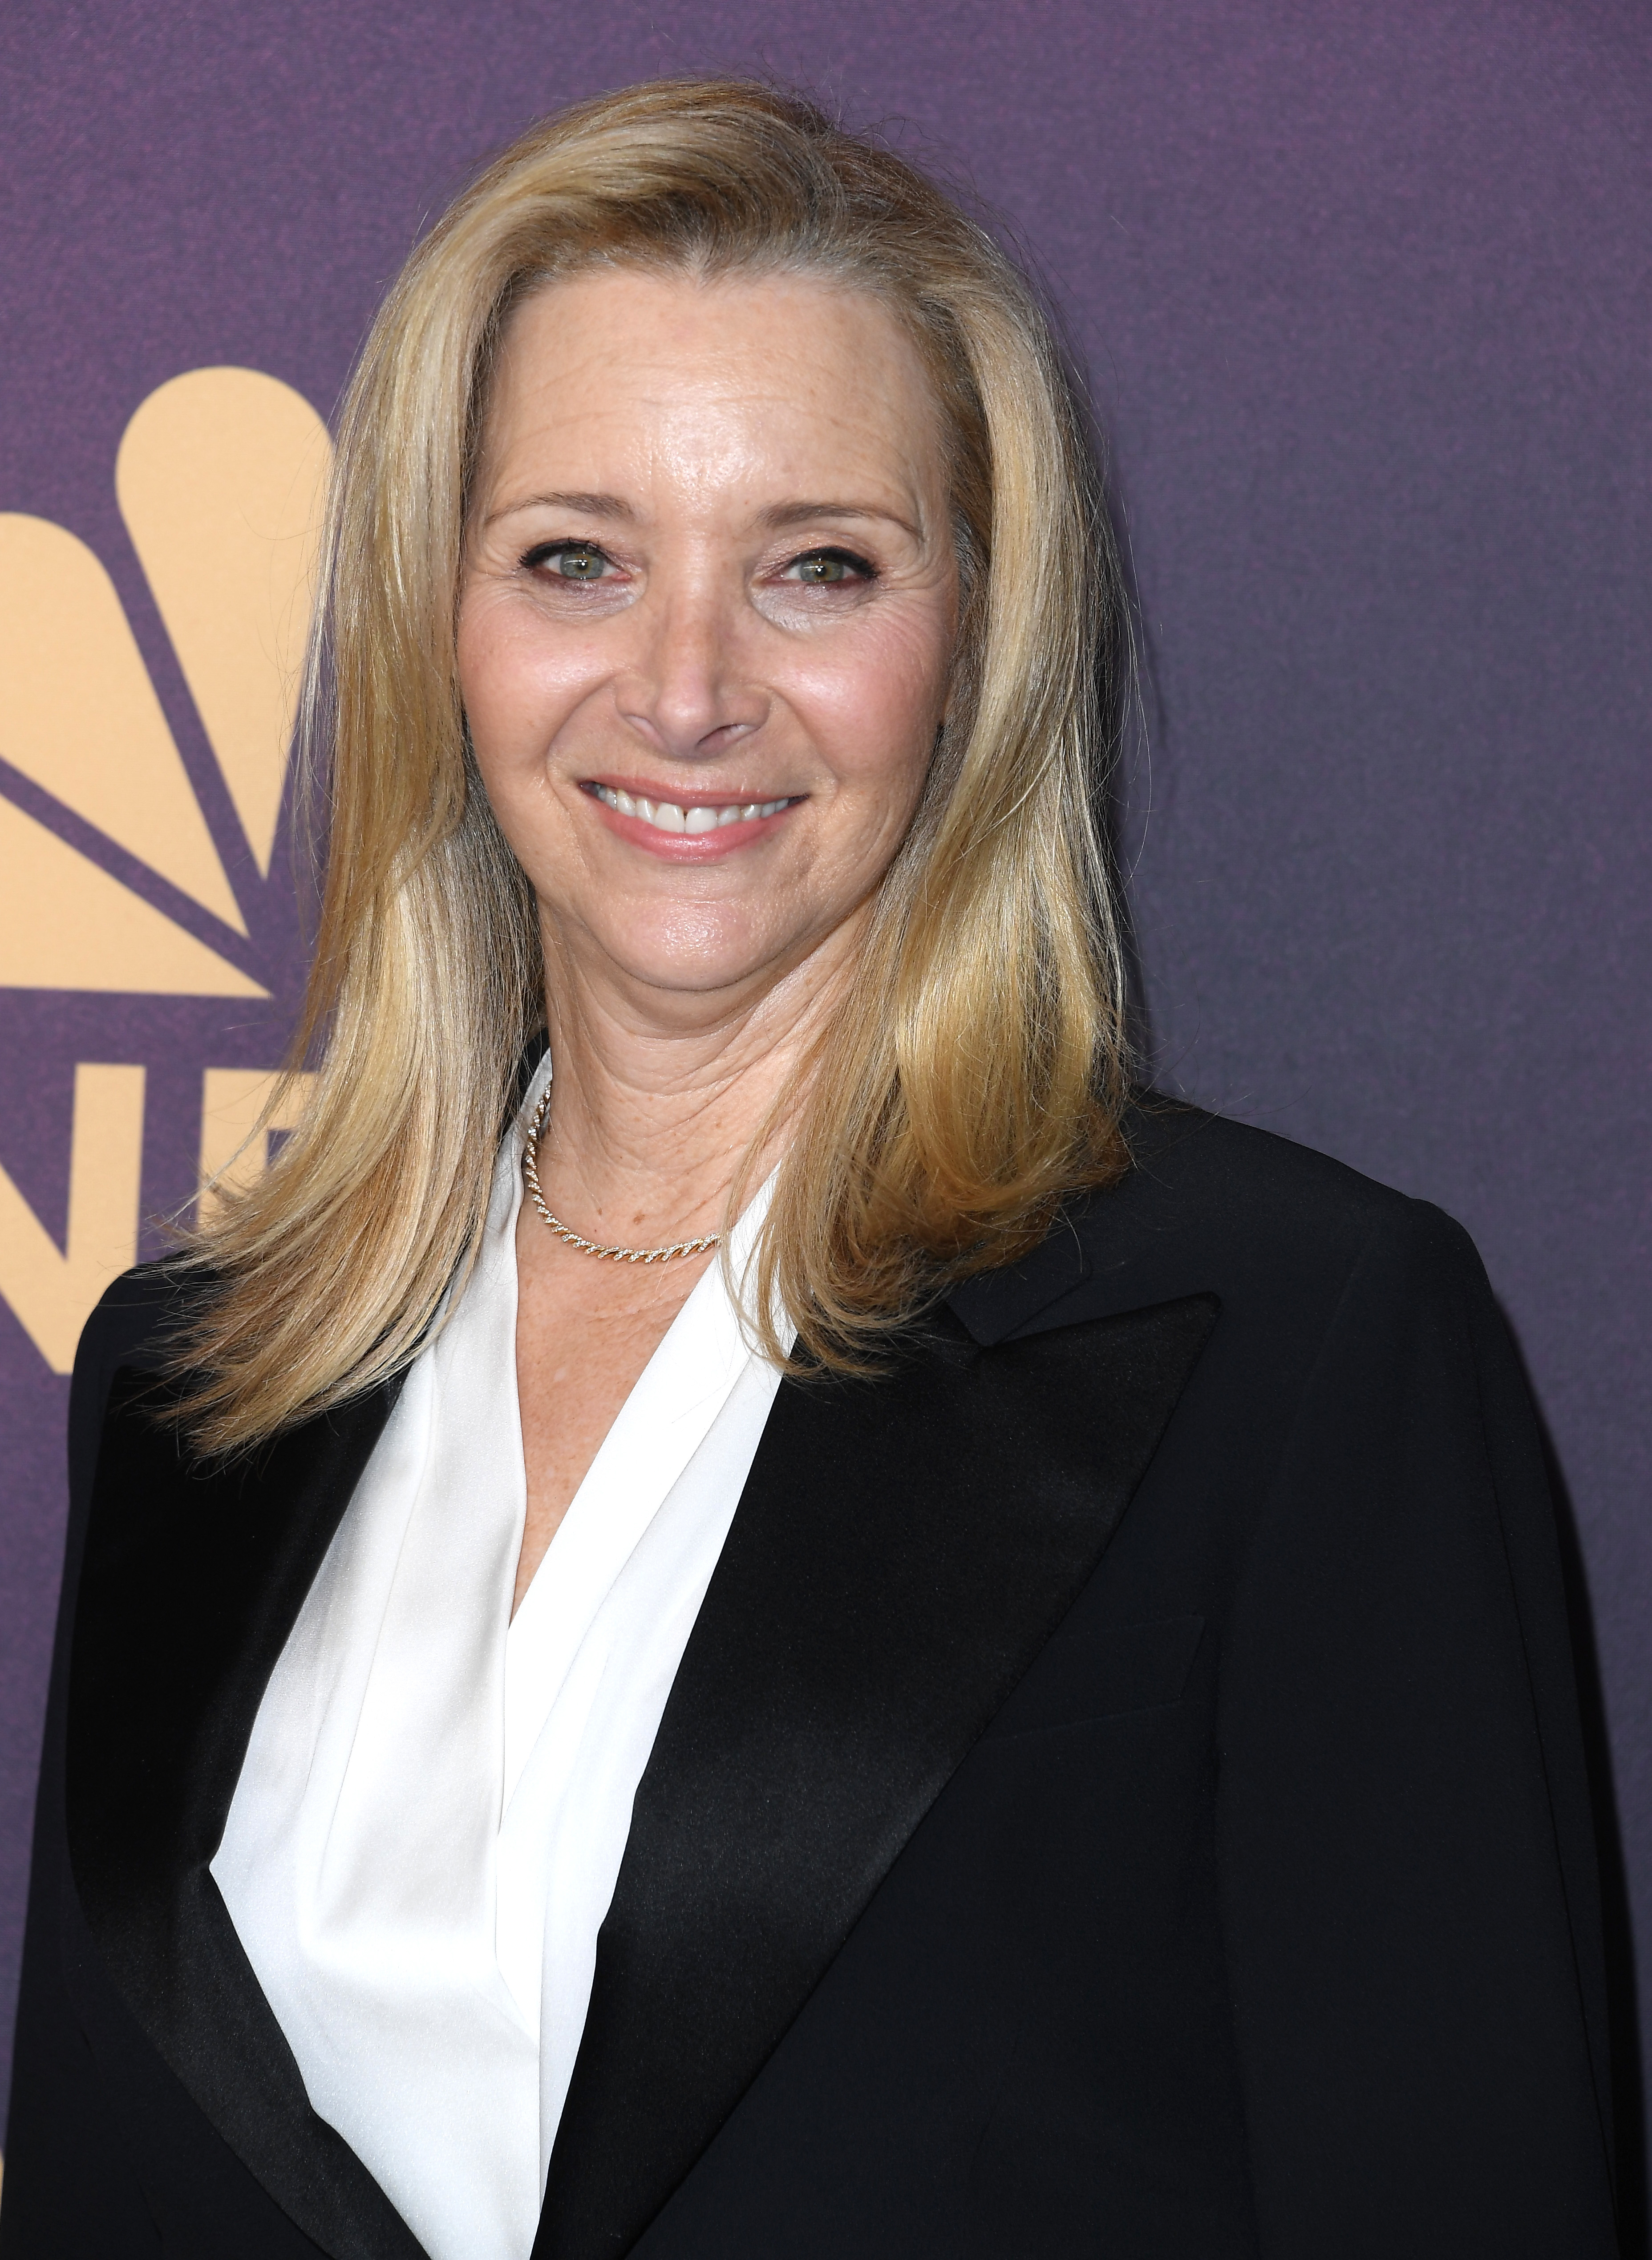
(191, 1581)
(903, 1549)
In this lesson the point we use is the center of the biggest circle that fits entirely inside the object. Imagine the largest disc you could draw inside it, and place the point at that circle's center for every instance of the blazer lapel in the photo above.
(191, 1581)
(904, 1548)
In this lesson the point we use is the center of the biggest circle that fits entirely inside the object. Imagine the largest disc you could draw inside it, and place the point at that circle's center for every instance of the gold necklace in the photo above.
(616, 1254)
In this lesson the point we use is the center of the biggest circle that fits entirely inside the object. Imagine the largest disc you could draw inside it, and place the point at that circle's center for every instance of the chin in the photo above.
(696, 954)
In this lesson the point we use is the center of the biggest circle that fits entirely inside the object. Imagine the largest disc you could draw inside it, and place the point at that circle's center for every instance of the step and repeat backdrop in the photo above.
(1362, 293)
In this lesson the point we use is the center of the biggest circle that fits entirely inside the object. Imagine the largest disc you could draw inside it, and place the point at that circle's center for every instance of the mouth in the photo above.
(693, 828)
(691, 819)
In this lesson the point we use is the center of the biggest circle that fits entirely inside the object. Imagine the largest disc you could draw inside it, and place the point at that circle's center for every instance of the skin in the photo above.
(710, 563)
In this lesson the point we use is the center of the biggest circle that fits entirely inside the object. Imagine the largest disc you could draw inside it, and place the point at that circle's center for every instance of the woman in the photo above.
(848, 1641)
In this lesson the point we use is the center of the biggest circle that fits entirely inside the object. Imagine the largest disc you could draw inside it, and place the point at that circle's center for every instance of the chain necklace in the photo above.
(530, 1170)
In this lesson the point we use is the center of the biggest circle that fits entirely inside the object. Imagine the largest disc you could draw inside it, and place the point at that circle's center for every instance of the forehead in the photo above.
(778, 370)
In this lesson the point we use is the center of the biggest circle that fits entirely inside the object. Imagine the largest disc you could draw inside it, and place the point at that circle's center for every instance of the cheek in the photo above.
(517, 687)
(478, 649)
(872, 706)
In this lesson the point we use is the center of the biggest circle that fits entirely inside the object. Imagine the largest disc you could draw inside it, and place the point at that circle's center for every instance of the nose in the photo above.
(686, 693)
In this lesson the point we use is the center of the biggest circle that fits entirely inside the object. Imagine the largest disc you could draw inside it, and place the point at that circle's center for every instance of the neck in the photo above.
(655, 1101)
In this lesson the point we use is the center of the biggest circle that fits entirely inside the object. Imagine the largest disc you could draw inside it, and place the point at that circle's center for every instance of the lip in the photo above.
(679, 847)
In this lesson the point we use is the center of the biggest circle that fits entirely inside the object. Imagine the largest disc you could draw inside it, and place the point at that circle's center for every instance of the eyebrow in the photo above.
(775, 519)
(799, 514)
(581, 505)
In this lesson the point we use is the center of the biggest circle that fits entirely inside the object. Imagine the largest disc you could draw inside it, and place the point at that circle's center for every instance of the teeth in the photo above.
(666, 816)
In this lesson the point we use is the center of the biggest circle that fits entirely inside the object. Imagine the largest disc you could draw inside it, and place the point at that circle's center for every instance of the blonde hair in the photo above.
(975, 1075)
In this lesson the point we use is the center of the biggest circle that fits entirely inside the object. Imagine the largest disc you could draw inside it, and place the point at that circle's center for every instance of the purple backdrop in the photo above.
(1363, 290)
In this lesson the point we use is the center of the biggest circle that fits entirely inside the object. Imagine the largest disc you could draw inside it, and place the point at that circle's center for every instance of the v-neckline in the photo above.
(670, 1411)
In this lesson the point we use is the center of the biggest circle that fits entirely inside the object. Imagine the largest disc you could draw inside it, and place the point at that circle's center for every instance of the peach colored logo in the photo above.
(220, 477)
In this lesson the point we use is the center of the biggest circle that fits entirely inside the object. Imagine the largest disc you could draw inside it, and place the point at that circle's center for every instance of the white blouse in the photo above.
(429, 1824)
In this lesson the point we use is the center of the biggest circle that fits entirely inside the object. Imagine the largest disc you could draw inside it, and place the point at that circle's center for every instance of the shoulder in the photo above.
(1183, 1152)
(1274, 1231)
(139, 1315)
(135, 1323)
(1251, 1203)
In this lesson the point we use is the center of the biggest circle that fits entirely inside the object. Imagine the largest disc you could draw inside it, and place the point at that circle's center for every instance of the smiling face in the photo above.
(707, 618)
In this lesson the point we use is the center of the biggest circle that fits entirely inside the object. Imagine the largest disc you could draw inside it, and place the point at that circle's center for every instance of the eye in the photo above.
(829, 568)
(570, 561)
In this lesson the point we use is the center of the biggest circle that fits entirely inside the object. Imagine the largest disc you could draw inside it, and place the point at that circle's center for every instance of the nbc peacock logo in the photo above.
(114, 877)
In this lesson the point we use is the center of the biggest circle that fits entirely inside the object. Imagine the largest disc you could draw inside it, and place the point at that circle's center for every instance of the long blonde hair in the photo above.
(975, 1075)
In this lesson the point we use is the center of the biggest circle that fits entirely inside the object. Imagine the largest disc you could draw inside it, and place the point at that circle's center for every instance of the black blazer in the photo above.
(1123, 1794)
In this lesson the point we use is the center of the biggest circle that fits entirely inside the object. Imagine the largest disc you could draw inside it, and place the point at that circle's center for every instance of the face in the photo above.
(707, 618)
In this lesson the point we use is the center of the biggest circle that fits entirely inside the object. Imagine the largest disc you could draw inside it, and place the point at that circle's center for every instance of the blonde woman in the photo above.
(744, 1610)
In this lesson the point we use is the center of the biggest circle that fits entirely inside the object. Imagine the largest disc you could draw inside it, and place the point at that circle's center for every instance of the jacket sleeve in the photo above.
(1408, 1869)
(72, 2189)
